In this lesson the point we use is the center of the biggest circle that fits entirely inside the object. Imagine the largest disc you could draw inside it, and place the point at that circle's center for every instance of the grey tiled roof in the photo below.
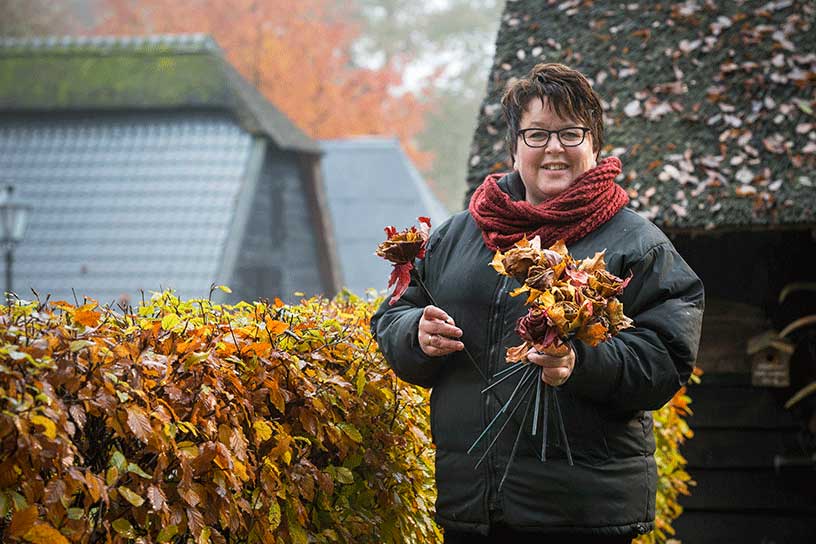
(370, 183)
(127, 73)
(123, 201)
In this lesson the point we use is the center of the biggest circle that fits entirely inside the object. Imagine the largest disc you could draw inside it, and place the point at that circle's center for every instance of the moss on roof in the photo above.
(162, 72)
(710, 105)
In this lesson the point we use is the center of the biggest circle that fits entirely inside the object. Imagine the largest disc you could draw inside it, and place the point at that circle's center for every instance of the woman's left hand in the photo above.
(556, 369)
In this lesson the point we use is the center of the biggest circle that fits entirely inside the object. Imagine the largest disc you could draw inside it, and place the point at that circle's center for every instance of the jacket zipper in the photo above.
(495, 327)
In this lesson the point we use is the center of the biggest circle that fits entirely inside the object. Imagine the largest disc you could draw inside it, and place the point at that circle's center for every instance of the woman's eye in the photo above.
(571, 135)
(538, 135)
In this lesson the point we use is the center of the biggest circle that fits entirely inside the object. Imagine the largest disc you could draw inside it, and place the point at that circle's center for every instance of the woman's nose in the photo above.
(553, 145)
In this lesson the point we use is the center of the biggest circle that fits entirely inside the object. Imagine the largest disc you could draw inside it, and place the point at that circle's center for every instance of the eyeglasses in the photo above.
(540, 137)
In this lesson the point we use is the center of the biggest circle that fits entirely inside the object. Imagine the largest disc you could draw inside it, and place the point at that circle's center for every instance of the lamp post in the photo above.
(13, 221)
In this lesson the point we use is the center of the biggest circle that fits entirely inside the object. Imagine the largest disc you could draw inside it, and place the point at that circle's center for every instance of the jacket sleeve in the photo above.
(643, 367)
(395, 330)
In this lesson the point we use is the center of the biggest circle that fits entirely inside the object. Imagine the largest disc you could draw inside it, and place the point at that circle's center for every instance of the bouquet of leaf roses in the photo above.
(567, 299)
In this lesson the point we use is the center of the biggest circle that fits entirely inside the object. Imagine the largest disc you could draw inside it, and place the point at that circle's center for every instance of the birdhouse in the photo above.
(770, 355)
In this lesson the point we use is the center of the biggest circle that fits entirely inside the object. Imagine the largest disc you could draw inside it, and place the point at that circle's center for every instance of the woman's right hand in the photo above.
(438, 333)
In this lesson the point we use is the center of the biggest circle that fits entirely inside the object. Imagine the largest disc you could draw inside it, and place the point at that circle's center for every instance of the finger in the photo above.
(435, 345)
(551, 361)
(434, 313)
(443, 343)
(555, 376)
(542, 359)
(442, 329)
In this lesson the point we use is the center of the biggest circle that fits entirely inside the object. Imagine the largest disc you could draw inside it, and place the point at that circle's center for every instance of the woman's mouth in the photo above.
(555, 166)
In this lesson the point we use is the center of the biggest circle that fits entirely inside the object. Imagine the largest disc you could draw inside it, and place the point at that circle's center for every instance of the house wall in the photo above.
(746, 445)
(278, 255)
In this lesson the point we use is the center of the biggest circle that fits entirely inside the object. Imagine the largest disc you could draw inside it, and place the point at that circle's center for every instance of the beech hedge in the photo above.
(187, 421)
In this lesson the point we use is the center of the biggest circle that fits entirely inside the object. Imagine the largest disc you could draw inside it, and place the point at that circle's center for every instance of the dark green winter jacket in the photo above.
(606, 403)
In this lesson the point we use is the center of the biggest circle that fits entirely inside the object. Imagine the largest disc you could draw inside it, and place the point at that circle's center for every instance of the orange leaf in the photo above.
(95, 485)
(42, 533)
(88, 318)
(275, 327)
(261, 349)
(22, 521)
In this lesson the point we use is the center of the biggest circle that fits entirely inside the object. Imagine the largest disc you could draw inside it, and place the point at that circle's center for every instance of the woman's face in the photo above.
(548, 171)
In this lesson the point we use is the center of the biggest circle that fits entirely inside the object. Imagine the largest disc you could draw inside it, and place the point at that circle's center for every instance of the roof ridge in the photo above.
(194, 42)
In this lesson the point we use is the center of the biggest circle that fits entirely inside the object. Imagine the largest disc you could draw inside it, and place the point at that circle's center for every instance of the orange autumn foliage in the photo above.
(298, 54)
(183, 420)
(187, 421)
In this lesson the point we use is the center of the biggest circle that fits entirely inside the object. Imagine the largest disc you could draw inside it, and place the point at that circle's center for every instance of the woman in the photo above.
(559, 189)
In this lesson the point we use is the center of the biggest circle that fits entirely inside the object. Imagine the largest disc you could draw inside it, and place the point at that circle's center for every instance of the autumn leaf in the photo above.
(156, 497)
(50, 429)
(22, 521)
(275, 327)
(498, 263)
(42, 533)
(139, 423)
(351, 431)
(87, 318)
(78, 345)
(169, 321)
(263, 431)
(274, 515)
(344, 475)
(132, 497)
(95, 486)
(167, 533)
(124, 528)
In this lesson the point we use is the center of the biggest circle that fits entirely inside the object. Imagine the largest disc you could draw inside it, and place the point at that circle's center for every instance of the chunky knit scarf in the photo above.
(591, 200)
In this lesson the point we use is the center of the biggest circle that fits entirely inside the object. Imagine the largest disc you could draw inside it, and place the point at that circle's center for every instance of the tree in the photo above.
(38, 17)
(299, 55)
(451, 43)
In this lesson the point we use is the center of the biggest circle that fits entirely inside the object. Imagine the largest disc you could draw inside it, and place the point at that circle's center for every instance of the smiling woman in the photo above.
(548, 166)
(560, 189)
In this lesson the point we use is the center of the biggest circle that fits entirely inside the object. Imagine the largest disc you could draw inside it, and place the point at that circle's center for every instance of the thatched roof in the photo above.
(117, 73)
(710, 105)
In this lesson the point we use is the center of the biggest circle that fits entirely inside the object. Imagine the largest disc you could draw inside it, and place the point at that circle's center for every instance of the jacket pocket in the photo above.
(584, 427)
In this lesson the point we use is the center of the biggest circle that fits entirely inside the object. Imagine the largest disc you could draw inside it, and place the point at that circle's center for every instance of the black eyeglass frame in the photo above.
(523, 135)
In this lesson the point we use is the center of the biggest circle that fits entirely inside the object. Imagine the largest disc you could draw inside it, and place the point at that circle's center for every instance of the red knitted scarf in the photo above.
(591, 200)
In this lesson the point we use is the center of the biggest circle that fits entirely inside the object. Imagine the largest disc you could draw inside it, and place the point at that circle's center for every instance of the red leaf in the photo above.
(401, 276)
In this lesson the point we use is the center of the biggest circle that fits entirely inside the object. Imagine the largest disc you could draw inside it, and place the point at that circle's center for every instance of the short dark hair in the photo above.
(568, 92)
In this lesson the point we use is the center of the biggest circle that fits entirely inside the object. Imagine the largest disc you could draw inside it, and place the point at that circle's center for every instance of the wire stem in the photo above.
(430, 297)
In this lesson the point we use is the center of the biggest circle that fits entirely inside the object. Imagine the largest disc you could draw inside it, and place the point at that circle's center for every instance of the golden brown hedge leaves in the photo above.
(251, 423)
(248, 423)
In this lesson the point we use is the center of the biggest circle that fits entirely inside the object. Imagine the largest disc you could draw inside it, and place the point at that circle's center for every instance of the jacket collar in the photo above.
(513, 185)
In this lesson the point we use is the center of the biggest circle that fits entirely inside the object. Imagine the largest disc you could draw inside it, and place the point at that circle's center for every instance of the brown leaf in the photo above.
(156, 497)
(518, 353)
(78, 415)
(54, 491)
(22, 521)
(195, 521)
(139, 423)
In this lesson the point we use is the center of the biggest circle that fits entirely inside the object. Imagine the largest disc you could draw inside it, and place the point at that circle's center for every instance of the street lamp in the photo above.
(13, 221)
